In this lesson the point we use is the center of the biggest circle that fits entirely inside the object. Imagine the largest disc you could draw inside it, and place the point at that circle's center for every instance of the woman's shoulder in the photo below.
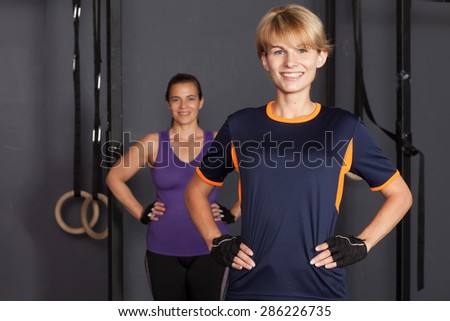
(151, 144)
(151, 137)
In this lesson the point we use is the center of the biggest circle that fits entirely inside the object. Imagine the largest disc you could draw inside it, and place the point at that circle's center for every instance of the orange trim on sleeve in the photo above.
(208, 181)
(347, 164)
(389, 181)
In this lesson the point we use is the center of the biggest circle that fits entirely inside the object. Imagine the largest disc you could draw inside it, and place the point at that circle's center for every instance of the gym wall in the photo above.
(215, 41)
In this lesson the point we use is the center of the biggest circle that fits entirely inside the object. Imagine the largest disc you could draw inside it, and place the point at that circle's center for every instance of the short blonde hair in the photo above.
(294, 24)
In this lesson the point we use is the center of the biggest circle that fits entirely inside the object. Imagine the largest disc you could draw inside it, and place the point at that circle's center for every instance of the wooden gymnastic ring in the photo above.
(84, 222)
(62, 224)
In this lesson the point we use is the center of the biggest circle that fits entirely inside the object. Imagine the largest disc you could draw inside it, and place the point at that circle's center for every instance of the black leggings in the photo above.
(173, 278)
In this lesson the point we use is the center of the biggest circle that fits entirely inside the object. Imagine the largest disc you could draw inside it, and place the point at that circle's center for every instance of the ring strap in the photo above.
(77, 95)
(96, 135)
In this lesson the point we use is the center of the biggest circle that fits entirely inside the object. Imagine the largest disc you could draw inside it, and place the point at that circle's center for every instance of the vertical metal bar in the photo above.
(331, 64)
(115, 146)
(359, 79)
(403, 129)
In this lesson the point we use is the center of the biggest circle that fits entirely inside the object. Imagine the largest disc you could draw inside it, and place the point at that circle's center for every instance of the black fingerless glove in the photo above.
(225, 248)
(346, 250)
(225, 215)
(147, 214)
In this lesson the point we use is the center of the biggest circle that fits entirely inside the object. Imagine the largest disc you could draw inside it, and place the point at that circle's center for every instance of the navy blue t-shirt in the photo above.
(291, 174)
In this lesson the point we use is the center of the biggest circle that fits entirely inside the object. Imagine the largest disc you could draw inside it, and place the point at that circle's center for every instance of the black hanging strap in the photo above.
(361, 106)
(76, 83)
(96, 135)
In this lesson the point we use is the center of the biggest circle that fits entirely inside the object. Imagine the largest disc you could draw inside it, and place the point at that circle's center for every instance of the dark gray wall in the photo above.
(375, 277)
(431, 114)
(39, 260)
(215, 41)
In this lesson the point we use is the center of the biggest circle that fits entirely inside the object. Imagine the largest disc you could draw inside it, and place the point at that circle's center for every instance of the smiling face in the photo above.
(184, 103)
(292, 68)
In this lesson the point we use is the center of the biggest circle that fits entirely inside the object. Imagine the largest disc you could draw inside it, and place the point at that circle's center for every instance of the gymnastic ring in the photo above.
(84, 207)
(58, 215)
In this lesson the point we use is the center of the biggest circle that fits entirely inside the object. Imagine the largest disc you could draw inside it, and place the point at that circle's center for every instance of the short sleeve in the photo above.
(217, 163)
(369, 161)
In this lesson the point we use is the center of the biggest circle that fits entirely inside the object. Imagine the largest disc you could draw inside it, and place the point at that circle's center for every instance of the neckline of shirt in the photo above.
(301, 119)
(196, 158)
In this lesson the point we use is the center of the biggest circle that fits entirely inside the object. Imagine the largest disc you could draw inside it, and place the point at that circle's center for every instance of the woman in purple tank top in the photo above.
(178, 263)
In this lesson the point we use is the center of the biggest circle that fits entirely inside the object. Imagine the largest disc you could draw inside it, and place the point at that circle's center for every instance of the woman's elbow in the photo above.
(408, 199)
(111, 179)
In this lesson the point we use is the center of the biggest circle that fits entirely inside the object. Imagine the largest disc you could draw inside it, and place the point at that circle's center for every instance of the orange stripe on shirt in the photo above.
(236, 168)
(346, 165)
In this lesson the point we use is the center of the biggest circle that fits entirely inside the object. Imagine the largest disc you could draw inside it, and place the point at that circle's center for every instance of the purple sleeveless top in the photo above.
(175, 234)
